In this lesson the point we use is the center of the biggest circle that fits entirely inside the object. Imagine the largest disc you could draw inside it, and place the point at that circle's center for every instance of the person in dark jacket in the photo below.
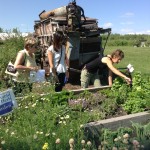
(90, 71)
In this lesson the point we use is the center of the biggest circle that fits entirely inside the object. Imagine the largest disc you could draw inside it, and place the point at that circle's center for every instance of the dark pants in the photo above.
(20, 87)
(59, 86)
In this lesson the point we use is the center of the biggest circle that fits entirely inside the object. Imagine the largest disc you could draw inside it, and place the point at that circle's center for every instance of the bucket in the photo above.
(38, 76)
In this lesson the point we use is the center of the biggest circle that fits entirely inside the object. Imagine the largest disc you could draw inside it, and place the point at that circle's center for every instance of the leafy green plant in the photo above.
(126, 138)
(138, 98)
(142, 133)
(46, 121)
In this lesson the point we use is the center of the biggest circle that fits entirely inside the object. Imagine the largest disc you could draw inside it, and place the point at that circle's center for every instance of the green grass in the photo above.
(44, 119)
(137, 56)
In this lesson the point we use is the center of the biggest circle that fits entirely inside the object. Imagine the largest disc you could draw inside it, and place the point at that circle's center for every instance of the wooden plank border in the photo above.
(91, 89)
(122, 121)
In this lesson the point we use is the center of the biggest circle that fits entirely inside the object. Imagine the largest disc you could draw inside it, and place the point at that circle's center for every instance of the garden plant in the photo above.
(47, 121)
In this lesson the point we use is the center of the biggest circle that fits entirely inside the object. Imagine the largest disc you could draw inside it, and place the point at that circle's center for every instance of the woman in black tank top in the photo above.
(90, 71)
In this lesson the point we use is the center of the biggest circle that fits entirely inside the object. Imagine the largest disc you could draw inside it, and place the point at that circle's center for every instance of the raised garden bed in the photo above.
(122, 121)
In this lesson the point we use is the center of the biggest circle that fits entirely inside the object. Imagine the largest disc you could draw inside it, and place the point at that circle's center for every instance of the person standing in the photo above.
(90, 71)
(57, 60)
(24, 63)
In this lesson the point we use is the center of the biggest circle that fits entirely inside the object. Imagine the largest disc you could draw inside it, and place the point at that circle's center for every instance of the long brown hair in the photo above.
(57, 40)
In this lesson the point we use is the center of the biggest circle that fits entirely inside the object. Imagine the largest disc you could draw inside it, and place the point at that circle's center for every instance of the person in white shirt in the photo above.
(57, 60)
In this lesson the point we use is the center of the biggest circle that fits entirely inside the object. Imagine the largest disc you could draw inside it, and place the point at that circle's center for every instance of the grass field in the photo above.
(49, 122)
(137, 56)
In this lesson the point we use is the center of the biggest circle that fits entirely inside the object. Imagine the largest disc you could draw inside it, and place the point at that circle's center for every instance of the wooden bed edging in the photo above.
(93, 130)
(123, 121)
(91, 89)
(77, 91)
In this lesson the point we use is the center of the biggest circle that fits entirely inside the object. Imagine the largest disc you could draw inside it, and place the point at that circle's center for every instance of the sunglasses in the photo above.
(34, 46)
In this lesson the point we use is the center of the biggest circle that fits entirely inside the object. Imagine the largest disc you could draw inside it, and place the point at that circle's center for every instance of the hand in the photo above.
(128, 80)
(34, 68)
(67, 74)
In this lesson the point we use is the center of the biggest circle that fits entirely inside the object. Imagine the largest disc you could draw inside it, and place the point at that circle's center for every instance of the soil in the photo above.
(98, 99)
(119, 112)
(69, 86)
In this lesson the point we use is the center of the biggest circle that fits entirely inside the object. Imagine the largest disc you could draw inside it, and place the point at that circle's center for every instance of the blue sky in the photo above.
(123, 16)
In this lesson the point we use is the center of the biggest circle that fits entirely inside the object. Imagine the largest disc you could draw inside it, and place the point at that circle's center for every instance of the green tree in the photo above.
(15, 30)
(1, 30)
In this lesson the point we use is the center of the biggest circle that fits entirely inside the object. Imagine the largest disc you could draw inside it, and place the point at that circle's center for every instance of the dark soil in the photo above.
(69, 86)
(97, 99)
(119, 112)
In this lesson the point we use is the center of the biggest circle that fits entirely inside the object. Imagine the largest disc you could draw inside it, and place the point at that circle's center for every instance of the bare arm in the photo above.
(67, 65)
(110, 77)
(114, 70)
(51, 63)
(19, 63)
(66, 60)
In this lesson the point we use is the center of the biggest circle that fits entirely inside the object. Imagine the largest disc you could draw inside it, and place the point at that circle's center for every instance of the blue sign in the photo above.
(7, 102)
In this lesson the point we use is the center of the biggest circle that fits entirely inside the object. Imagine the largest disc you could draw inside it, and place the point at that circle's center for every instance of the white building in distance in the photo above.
(4, 36)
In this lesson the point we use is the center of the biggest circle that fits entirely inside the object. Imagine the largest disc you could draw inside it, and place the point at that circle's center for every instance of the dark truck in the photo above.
(82, 36)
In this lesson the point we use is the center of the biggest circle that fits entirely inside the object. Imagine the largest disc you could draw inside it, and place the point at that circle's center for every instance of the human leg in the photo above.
(16, 87)
(85, 78)
(96, 80)
(59, 86)
(21, 87)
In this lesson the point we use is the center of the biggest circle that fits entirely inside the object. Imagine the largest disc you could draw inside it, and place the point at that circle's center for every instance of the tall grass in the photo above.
(8, 51)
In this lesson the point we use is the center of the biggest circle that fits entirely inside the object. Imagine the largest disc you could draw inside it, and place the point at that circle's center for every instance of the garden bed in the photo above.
(122, 121)
(49, 117)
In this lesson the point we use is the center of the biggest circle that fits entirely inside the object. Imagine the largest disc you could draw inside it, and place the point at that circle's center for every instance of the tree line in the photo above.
(127, 39)
(114, 39)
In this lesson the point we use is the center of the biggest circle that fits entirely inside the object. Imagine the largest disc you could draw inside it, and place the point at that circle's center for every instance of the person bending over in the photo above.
(89, 72)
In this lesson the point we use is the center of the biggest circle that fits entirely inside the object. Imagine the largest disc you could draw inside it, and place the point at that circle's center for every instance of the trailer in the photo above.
(83, 38)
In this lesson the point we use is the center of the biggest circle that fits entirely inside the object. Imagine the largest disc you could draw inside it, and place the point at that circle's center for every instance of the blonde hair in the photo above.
(30, 41)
